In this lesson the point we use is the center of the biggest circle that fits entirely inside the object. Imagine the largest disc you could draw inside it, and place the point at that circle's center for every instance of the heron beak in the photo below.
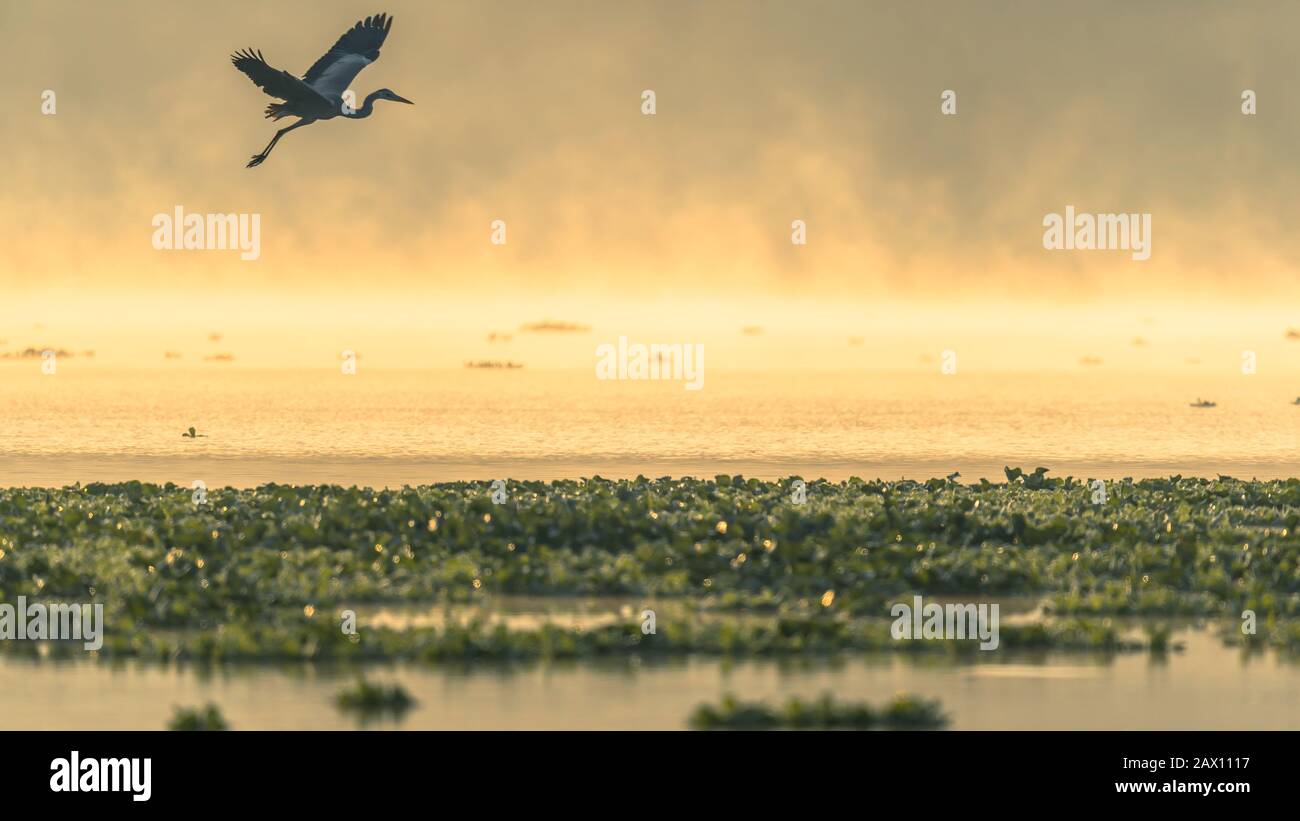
(402, 100)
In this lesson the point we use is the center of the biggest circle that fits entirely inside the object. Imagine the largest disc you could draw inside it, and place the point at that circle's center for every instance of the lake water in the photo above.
(1206, 686)
(94, 423)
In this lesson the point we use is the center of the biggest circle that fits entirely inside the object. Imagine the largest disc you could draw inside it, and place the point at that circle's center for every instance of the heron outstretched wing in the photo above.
(273, 81)
(331, 75)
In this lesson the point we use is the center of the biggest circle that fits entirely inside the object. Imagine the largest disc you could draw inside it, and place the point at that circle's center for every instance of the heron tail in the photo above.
(276, 111)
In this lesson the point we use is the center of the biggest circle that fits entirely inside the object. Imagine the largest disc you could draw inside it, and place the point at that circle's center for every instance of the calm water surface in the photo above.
(1207, 686)
(89, 423)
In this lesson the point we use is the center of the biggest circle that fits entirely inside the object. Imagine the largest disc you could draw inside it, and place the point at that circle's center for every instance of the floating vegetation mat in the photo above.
(266, 573)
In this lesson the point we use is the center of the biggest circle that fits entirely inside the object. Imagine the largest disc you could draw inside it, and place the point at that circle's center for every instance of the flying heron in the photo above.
(319, 95)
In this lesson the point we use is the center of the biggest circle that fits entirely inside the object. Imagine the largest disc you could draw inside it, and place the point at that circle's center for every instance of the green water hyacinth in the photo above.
(262, 572)
(373, 700)
(282, 639)
(904, 712)
(198, 718)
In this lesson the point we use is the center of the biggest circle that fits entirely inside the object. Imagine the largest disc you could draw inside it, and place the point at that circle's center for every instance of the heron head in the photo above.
(388, 94)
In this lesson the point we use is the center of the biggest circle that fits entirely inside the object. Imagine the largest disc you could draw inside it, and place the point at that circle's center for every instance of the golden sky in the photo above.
(679, 222)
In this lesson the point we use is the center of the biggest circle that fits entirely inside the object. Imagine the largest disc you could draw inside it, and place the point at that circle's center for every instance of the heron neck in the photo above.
(367, 107)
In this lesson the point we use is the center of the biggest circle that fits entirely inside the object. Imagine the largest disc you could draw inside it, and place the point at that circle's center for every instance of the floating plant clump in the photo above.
(904, 712)
(208, 717)
(374, 700)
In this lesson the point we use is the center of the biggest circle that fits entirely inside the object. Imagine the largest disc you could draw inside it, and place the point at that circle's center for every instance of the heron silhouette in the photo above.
(319, 95)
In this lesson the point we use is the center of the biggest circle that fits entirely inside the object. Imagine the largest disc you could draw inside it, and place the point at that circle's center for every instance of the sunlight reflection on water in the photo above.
(394, 428)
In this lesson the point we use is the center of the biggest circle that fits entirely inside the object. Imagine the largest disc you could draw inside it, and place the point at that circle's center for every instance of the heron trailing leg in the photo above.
(258, 159)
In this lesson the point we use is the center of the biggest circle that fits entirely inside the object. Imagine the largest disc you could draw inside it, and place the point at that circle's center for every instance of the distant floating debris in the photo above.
(752, 330)
(171, 355)
(499, 337)
(1204, 403)
(552, 326)
(193, 434)
(220, 357)
(491, 365)
(37, 353)
(1297, 401)
(1090, 360)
